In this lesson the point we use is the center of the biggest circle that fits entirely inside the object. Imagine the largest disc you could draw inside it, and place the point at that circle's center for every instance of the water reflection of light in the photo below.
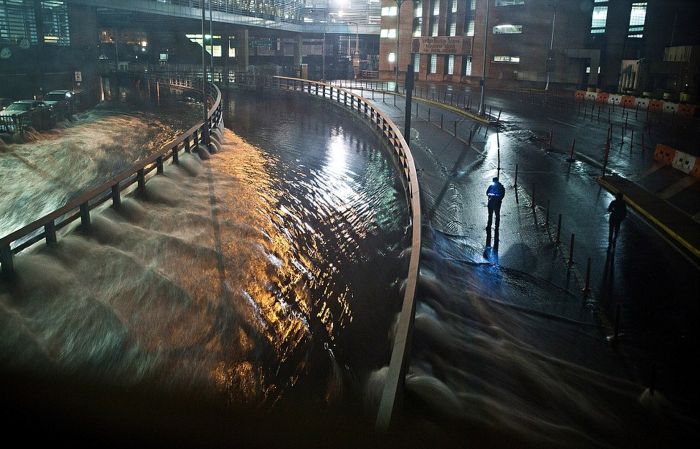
(339, 191)
(336, 162)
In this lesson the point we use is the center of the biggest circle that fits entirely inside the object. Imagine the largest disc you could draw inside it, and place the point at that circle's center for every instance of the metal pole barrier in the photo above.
(587, 289)
(558, 240)
(441, 120)
(571, 153)
(551, 136)
(546, 218)
(571, 250)
(533, 196)
(516, 165)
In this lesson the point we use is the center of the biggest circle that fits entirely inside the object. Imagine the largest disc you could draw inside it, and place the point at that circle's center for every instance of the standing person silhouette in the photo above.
(618, 212)
(495, 194)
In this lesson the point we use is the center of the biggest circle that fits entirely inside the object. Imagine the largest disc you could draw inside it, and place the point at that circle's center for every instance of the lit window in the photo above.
(389, 11)
(392, 57)
(434, 28)
(433, 63)
(453, 6)
(417, 27)
(472, 5)
(509, 2)
(507, 29)
(418, 11)
(467, 66)
(388, 33)
(451, 64)
(598, 19)
(511, 59)
(637, 17)
(453, 28)
(392, 33)
(436, 7)
(470, 28)
(416, 62)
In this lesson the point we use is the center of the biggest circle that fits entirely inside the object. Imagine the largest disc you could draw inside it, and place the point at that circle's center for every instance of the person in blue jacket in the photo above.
(495, 194)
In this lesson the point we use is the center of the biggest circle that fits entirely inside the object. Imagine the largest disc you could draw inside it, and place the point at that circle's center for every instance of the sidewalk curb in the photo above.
(687, 245)
(455, 110)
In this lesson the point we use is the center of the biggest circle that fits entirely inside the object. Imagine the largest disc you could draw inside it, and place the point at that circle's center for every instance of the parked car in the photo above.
(23, 113)
(22, 107)
(58, 96)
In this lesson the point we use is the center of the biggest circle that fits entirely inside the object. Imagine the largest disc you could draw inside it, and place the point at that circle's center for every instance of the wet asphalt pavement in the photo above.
(653, 284)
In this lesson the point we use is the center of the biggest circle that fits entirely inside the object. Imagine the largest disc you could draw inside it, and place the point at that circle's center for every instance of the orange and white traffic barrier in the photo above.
(656, 105)
(628, 101)
(614, 99)
(664, 154)
(695, 171)
(686, 110)
(683, 162)
(602, 97)
(580, 94)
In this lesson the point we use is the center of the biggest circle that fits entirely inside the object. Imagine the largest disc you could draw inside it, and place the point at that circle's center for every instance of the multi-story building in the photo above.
(608, 44)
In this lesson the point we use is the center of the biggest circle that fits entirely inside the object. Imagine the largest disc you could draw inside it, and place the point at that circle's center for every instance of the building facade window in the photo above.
(472, 5)
(433, 64)
(417, 26)
(453, 28)
(389, 10)
(391, 57)
(638, 16)
(453, 6)
(599, 19)
(436, 7)
(470, 28)
(507, 29)
(416, 63)
(509, 2)
(510, 59)
(418, 9)
(467, 70)
(434, 28)
(56, 26)
(389, 33)
(450, 65)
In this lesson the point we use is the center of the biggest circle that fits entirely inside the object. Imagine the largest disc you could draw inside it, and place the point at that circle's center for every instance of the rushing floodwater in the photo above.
(267, 272)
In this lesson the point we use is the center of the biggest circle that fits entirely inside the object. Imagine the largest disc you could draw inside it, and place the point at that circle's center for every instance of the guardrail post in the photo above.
(85, 215)
(441, 120)
(159, 165)
(50, 231)
(587, 289)
(176, 156)
(116, 195)
(141, 178)
(8, 267)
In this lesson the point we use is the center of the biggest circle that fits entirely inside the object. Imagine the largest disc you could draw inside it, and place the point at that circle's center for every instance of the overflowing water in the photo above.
(265, 273)
(45, 173)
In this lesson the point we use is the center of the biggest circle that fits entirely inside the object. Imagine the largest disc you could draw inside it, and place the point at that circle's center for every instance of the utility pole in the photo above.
(398, 39)
(483, 69)
(550, 59)
(211, 45)
(205, 128)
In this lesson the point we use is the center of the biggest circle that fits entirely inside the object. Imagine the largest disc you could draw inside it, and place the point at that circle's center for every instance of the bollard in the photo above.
(571, 250)
(587, 289)
(631, 141)
(558, 240)
(441, 120)
(546, 217)
(428, 115)
(455, 122)
(551, 136)
(533, 196)
(571, 153)
(498, 119)
(516, 166)
(605, 159)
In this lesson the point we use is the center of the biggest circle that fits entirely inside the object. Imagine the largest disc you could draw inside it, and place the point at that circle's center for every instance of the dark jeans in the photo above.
(614, 226)
(494, 206)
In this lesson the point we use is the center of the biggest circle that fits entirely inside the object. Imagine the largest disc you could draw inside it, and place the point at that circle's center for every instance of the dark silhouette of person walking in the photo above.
(618, 212)
(495, 194)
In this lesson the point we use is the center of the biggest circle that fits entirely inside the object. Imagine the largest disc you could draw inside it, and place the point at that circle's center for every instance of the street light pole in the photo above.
(205, 128)
(551, 46)
(483, 69)
(398, 39)
(356, 56)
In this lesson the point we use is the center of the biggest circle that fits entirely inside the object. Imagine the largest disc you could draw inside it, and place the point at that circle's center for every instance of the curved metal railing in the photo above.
(46, 227)
(392, 136)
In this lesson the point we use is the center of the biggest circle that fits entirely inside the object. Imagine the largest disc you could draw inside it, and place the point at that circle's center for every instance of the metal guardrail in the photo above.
(46, 227)
(393, 388)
